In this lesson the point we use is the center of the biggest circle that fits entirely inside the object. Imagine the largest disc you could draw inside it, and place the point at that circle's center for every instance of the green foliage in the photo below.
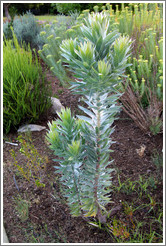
(7, 29)
(25, 93)
(144, 24)
(141, 187)
(52, 36)
(94, 58)
(37, 233)
(146, 75)
(127, 227)
(97, 57)
(65, 8)
(157, 159)
(64, 135)
(53, 8)
(27, 30)
(32, 169)
(13, 11)
(50, 7)
(21, 8)
(132, 232)
(22, 207)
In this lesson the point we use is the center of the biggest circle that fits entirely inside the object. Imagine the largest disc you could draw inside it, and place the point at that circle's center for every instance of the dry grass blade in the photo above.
(146, 119)
(132, 107)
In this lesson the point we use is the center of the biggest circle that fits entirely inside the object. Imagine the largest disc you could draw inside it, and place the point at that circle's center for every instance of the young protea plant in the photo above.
(97, 58)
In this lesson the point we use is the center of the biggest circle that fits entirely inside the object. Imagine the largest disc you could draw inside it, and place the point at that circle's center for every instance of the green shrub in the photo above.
(34, 165)
(65, 8)
(7, 29)
(97, 57)
(27, 30)
(146, 30)
(25, 94)
(143, 98)
(52, 36)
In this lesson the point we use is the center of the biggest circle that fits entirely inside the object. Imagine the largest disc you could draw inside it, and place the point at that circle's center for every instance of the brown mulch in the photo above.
(49, 220)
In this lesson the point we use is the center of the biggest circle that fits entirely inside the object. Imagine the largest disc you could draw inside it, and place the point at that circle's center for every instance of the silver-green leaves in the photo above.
(98, 58)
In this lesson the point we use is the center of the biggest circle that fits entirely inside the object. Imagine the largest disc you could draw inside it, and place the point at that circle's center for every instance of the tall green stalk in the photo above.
(26, 94)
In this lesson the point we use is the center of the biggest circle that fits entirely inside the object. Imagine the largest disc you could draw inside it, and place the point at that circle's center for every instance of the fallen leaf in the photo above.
(141, 151)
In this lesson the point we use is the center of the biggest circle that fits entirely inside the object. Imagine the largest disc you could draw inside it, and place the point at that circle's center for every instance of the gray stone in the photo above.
(31, 128)
(15, 144)
(56, 105)
(5, 238)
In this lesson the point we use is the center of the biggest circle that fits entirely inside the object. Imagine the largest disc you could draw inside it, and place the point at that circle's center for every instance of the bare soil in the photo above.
(49, 219)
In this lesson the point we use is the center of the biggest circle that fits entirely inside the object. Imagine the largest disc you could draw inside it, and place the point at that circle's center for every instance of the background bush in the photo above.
(26, 30)
(22, 8)
(52, 35)
(50, 8)
(25, 94)
(143, 97)
(66, 8)
(7, 29)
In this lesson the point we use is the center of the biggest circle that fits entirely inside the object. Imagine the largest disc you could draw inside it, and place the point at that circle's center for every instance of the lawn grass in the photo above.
(51, 18)
(46, 17)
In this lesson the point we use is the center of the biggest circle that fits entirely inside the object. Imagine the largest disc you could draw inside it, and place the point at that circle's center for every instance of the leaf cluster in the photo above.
(95, 58)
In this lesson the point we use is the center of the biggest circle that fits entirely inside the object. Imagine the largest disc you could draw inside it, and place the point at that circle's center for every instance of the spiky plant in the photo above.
(143, 97)
(98, 57)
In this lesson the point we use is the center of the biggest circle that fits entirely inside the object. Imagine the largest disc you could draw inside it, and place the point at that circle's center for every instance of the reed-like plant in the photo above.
(97, 57)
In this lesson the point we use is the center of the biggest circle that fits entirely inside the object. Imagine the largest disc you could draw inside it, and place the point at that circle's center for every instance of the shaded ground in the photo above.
(48, 219)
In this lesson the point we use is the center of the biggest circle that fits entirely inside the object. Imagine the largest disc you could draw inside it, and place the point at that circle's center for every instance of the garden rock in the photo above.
(31, 127)
(5, 238)
(56, 105)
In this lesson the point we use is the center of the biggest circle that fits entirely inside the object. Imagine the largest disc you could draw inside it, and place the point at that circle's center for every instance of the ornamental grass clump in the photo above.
(98, 58)
(26, 94)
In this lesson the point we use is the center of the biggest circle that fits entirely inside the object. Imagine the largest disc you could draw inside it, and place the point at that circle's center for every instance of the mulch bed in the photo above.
(49, 219)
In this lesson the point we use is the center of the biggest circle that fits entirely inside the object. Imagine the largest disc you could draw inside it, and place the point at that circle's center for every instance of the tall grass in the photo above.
(25, 94)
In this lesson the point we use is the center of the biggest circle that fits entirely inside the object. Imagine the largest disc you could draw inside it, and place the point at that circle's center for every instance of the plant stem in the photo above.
(78, 193)
(99, 215)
